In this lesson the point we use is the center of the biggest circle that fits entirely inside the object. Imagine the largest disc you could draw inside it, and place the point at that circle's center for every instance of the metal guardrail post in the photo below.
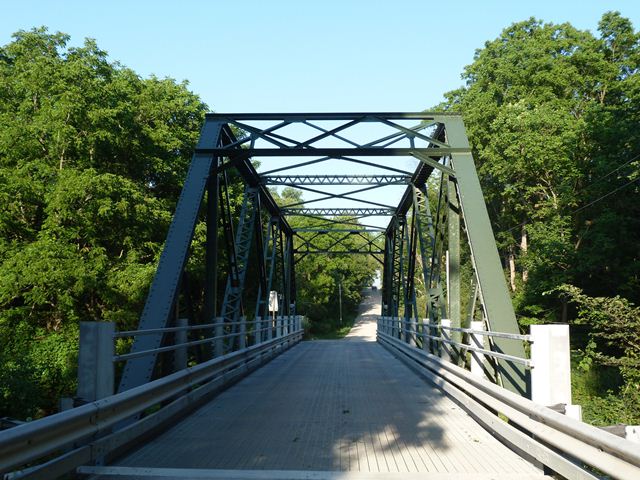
(269, 326)
(477, 340)
(218, 344)
(257, 330)
(632, 433)
(406, 335)
(95, 360)
(180, 355)
(445, 348)
(243, 333)
(412, 326)
(433, 345)
(425, 333)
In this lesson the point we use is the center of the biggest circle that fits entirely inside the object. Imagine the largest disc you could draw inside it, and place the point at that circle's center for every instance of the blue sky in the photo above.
(297, 56)
(323, 55)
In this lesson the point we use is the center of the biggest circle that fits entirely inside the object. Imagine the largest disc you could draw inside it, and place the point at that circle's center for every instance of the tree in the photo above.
(552, 115)
(613, 326)
(92, 158)
(539, 104)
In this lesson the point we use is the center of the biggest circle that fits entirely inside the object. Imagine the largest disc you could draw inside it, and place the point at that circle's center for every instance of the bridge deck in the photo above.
(345, 405)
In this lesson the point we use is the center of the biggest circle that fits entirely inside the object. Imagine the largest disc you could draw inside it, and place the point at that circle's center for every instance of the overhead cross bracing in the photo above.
(359, 171)
(296, 180)
(338, 212)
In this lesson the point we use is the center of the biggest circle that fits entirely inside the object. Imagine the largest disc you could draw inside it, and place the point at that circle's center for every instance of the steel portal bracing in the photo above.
(419, 250)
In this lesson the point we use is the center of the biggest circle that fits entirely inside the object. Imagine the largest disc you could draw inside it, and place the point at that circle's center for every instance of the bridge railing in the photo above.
(473, 352)
(99, 343)
(100, 429)
(561, 443)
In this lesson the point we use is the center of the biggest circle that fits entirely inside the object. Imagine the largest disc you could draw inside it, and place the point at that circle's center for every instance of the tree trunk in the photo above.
(524, 246)
(512, 269)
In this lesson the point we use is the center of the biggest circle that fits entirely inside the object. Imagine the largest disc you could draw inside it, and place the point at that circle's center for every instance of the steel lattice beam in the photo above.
(294, 180)
(334, 152)
(338, 212)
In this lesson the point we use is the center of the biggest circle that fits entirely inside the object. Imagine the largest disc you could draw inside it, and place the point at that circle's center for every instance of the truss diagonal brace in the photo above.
(492, 283)
(164, 288)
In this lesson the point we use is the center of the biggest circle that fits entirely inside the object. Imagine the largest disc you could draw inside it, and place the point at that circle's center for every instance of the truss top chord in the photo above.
(299, 117)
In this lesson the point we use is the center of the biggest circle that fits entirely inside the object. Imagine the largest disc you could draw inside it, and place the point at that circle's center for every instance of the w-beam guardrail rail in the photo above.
(562, 444)
(86, 434)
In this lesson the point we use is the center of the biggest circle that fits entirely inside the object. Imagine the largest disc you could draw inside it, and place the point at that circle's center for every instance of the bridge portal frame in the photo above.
(440, 144)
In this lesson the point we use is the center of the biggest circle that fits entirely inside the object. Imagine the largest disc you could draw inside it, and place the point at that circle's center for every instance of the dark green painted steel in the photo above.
(492, 283)
(164, 287)
(453, 243)
(439, 143)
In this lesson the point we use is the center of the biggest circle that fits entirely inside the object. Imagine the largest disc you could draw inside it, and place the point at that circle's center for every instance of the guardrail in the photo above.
(437, 339)
(547, 365)
(565, 445)
(97, 355)
(89, 433)
(248, 332)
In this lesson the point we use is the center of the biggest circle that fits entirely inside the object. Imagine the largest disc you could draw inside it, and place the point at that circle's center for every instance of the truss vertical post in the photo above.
(211, 254)
(398, 266)
(164, 288)
(436, 294)
(426, 237)
(292, 276)
(387, 270)
(232, 307)
(265, 261)
(453, 243)
(288, 275)
(493, 287)
(410, 307)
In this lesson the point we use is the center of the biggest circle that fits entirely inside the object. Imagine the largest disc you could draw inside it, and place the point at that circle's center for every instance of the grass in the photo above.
(331, 330)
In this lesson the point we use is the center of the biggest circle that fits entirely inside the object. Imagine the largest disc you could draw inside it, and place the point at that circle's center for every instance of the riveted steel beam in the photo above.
(301, 117)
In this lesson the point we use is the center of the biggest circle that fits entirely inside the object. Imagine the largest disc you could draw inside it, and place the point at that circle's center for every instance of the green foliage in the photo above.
(548, 111)
(614, 332)
(606, 373)
(552, 114)
(91, 162)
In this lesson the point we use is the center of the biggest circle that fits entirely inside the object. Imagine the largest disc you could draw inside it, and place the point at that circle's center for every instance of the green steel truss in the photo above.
(440, 204)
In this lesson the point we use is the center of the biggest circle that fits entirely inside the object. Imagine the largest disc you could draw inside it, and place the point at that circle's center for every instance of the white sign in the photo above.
(273, 301)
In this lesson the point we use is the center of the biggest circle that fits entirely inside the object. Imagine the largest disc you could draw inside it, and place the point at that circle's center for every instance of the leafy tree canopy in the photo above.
(92, 158)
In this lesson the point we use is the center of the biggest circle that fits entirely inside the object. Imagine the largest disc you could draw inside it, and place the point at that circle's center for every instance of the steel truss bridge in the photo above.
(347, 409)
